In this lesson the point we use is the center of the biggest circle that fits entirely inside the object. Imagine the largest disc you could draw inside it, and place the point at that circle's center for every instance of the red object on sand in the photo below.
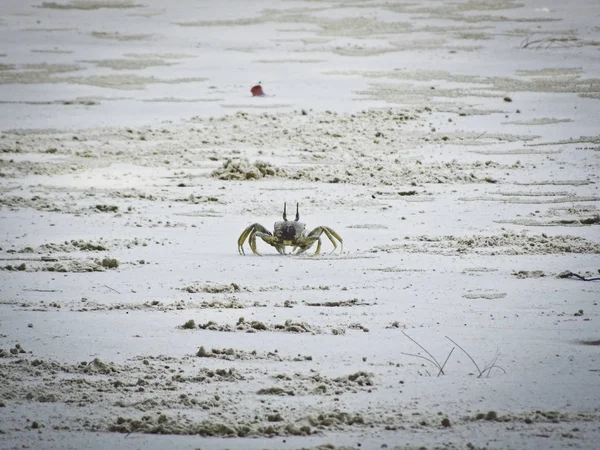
(257, 91)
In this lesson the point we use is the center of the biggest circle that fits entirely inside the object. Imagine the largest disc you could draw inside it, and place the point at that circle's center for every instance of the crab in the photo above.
(288, 234)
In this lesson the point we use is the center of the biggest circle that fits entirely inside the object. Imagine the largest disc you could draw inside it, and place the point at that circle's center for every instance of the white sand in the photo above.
(453, 146)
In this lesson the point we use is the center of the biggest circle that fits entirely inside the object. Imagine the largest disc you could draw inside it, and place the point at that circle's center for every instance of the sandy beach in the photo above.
(454, 147)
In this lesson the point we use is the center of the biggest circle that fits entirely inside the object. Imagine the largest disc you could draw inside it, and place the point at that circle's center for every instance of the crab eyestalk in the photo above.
(297, 212)
(284, 214)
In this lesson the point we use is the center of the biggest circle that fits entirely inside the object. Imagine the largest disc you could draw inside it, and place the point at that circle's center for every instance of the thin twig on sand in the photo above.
(42, 290)
(488, 367)
(466, 353)
(546, 42)
(477, 137)
(432, 360)
(444, 365)
(492, 364)
(112, 289)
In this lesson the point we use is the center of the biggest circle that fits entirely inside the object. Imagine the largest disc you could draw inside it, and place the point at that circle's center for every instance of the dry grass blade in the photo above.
(546, 42)
(444, 365)
(432, 360)
(435, 363)
(467, 353)
(492, 365)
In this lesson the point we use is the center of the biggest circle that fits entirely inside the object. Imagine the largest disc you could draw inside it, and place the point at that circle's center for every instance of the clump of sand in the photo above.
(501, 244)
(242, 169)
(289, 326)
(212, 288)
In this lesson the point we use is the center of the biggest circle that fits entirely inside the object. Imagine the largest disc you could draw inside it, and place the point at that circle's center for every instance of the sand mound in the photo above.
(501, 244)
(242, 169)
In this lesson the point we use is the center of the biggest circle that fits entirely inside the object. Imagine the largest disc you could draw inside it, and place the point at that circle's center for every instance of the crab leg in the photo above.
(315, 236)
(331, 234)
(243, 237)
(241, 240)
(319, 242)
(252, 242)
(250, 230)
